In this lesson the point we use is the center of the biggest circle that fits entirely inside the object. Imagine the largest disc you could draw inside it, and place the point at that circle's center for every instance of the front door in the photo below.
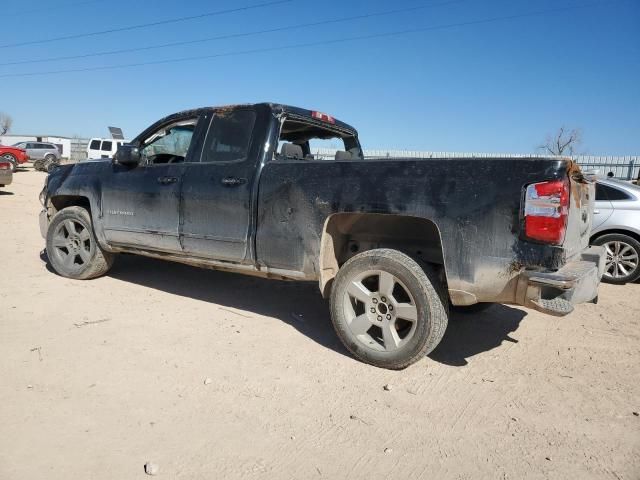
(141, 205)
(217, 190)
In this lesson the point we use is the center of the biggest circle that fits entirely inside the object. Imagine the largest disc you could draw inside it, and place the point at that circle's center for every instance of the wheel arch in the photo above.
(618, 231)
(63, 201)
(347, 234)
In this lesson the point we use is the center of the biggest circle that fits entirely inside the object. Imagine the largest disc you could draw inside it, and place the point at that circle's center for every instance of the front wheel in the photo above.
(12, 160)
(387, 310)
(72, 247)
(623, 258)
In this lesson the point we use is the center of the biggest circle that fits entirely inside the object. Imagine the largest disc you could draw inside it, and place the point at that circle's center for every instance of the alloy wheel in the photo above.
(72, 244)
(622, 260)
(381, 312)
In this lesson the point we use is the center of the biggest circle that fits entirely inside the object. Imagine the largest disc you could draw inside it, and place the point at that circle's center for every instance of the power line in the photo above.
(232, 35)
(53, 7)
(310, 44)
(146, 25)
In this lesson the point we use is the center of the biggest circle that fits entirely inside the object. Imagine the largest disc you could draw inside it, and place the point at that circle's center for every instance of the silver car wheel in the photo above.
(73, 246)
(622, 259)
(12, 160)
(381, 312)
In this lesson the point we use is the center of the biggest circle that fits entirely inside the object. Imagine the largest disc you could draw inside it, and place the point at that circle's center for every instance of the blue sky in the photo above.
(494, 87)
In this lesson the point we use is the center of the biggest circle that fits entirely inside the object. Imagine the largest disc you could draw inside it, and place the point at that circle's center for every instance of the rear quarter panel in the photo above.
(475, 204)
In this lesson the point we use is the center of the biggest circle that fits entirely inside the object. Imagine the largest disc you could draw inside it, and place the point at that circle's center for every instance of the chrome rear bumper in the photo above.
(557, 292)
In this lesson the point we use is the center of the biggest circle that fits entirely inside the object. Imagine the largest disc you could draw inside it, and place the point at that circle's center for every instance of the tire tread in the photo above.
(432, 288)
(102, 261)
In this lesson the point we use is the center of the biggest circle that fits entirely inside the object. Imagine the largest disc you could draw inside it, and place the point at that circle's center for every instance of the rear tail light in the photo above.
(323, 117)
(545, 211)
(5, 166)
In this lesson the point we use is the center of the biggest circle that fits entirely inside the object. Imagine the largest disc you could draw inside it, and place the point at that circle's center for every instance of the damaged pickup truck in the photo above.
(392, 242)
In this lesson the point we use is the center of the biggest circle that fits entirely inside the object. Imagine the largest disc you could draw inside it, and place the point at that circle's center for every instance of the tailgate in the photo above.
(581, 202)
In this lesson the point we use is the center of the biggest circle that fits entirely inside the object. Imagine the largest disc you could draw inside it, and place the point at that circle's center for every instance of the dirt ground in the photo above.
(217, 375)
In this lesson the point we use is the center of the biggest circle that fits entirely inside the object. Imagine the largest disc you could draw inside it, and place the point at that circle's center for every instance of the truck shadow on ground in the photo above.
(300, 305)
(469, 334)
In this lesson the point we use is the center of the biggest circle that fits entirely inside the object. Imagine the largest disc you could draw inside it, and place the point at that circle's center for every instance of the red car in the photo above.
(15, 156)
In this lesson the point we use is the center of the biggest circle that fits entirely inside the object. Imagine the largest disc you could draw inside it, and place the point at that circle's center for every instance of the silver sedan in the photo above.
(616, 226)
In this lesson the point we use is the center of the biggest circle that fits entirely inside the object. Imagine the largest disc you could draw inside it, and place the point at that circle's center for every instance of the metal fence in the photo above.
(622, 167)
(78, 149)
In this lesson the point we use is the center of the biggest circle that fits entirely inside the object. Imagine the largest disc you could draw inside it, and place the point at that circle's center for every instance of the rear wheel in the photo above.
(386, 309)
(37, 165)
(49, 166)
(72, 247)
(623, 258)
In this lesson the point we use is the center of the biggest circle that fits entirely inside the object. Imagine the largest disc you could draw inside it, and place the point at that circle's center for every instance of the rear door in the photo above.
(603, 207)
(105, 149)
(217, 189)
(93, 149)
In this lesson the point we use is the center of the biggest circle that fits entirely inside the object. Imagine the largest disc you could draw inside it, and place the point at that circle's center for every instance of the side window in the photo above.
(94, 145)
(605, 192)
(229, 137)
(170, 144)
(31, 145)
(106, 145)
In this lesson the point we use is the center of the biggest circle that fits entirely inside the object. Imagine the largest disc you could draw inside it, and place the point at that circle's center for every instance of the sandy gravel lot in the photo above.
(99, 377)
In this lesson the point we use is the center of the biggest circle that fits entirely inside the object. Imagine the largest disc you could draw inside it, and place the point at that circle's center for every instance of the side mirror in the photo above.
(127, 155)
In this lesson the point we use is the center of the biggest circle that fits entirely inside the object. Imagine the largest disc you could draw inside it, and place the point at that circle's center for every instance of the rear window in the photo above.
(229, 137)
(605, 192)
(94, 145)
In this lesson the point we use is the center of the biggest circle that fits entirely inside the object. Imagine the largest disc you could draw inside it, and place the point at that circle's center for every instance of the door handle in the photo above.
(233, 181)
(167, 180)
(596, 212)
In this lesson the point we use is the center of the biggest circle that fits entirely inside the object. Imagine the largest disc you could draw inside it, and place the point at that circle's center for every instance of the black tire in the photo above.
(426, 300)
(49, 157)
(616, 275)
(472, 309)
(84, 259)
(12, 160)
(39, 165)
(50, 166)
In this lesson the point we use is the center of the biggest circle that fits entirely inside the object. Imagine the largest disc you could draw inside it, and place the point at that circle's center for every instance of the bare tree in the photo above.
(5, 123)
(563, 142)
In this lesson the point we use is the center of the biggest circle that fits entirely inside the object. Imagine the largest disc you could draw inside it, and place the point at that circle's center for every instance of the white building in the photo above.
(63, 143)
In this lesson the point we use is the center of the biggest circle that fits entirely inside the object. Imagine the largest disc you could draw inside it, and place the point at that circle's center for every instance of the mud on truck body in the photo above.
(392, 242)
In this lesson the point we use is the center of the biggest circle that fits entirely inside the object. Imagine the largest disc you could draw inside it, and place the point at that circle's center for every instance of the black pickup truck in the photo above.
(393, 242)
